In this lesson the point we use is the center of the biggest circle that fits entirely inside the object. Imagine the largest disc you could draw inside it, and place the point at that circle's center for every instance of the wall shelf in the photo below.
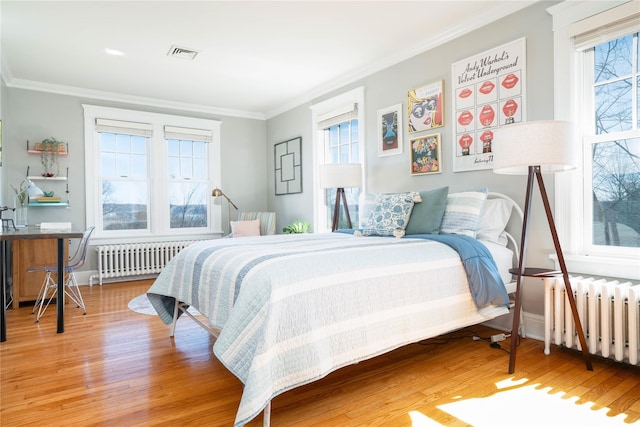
(47, 178)
(62, 203)
(59, 153)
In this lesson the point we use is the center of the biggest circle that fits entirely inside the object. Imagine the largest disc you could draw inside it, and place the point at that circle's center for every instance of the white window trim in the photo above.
(158, 121)
(568, 102)
(319, 112)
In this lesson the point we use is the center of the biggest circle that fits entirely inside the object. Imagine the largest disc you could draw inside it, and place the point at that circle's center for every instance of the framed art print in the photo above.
(287, 160)
(488, 93)
(389, 131)
(425, 107)
(425, 154)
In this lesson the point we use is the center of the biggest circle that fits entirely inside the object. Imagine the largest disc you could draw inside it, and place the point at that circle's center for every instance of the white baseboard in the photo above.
(84, 278)
(533, 325)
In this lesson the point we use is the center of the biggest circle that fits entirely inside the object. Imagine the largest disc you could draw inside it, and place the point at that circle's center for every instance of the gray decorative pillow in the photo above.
(462, 214)
(390, 214)
(426, 216)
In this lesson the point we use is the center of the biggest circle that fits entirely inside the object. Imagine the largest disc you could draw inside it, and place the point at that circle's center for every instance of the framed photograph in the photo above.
(425, 109)
(488, 92)
(425, 154)
(390, 131)
(287, 160)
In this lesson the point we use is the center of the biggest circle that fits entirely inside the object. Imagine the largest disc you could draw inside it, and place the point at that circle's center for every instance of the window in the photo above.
(150, 174)
(612, 144)
(337, 123)
(596, 86)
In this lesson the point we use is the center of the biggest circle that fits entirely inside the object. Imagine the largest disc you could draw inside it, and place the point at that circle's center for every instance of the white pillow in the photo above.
(245, 228)
(462, 213)
(493, 220)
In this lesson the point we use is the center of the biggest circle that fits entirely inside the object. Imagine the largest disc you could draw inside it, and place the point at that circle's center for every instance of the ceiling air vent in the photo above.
(182, 52)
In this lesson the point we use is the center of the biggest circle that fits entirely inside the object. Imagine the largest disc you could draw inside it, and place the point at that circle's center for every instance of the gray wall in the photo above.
(33, 115)
(390, 86)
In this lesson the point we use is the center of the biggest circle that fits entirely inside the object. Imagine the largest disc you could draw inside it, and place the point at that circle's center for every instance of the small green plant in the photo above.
(297, 227)
(21, 195)
(50, 148)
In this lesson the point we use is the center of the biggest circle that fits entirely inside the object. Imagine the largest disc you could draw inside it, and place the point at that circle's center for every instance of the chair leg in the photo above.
(50, 284)
(47, 284)
(73, 291)
(41, 293)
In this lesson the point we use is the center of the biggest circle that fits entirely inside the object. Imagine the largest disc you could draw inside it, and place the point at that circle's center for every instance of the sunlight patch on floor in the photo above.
(421, 420)
(529, 406)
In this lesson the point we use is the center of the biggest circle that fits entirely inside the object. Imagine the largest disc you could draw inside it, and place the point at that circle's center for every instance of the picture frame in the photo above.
(426, 154)
(287, 161)
(390, 135)
(488, 92)
(425, 107)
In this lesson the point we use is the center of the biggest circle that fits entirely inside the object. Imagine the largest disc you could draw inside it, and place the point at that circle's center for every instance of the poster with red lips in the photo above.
(488, 93)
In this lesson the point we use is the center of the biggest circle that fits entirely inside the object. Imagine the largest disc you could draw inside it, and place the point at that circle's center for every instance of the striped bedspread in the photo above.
(293, 308)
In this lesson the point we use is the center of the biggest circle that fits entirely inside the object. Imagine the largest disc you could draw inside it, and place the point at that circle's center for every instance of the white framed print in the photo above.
(389, 131)
(488, 93)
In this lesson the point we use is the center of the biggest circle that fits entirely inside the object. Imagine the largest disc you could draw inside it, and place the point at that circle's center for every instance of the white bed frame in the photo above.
(511, 289)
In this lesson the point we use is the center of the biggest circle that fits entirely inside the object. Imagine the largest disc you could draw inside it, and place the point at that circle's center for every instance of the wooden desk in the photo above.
(28, 233)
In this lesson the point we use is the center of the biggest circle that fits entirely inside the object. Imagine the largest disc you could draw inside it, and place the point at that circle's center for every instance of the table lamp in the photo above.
(340, 176)
(218, 193)
(534, 148)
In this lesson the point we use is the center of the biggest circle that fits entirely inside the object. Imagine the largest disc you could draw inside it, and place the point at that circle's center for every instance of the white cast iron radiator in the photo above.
(609, 313)
(135, 259)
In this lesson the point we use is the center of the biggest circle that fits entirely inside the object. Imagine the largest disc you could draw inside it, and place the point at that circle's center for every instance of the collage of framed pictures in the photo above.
(425, 112)
(488, 92)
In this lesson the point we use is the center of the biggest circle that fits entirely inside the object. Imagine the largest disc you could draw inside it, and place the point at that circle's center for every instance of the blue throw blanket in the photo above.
(484, 278)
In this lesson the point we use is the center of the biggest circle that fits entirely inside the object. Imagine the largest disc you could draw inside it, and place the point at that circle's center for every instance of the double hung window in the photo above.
(597, 87)
(337, 123)
(149, 174)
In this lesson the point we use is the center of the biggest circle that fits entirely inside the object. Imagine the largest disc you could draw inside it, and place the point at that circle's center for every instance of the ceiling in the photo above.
(255, 59)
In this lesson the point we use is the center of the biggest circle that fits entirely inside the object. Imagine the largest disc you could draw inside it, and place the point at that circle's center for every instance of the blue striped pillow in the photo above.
(462, 213)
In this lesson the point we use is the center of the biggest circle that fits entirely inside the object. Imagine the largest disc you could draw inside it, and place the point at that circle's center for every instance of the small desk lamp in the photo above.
(218, 193)
(535, 148)
(340, 176)
(27, 187)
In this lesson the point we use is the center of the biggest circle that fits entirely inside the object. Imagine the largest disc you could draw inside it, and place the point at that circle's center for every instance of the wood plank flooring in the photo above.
(114, 367)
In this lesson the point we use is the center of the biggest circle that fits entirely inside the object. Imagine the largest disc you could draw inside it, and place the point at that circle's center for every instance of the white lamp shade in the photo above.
(33, 190)
(340, 175)
(549, 144)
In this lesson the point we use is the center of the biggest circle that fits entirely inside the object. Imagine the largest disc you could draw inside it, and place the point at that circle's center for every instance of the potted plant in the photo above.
(297, 227)
(49, 149)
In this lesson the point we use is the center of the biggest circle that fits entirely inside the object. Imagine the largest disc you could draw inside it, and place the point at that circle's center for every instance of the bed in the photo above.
(289, 309)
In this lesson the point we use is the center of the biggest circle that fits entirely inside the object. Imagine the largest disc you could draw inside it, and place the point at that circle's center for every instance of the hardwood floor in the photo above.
(114, 367)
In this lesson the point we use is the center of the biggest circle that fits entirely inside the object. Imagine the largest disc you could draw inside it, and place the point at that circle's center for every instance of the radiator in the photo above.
(135, 259)
(609, 313)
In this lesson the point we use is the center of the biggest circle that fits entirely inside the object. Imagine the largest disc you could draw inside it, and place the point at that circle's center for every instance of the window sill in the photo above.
(623, 268)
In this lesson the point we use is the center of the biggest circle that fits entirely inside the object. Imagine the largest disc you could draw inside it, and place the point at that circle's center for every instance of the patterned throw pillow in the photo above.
(462, 214)
(390, 214)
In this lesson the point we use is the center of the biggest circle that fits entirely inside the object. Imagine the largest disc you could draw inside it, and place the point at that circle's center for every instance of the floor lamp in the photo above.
(218, 193)
(534, 148)
(340, 176)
